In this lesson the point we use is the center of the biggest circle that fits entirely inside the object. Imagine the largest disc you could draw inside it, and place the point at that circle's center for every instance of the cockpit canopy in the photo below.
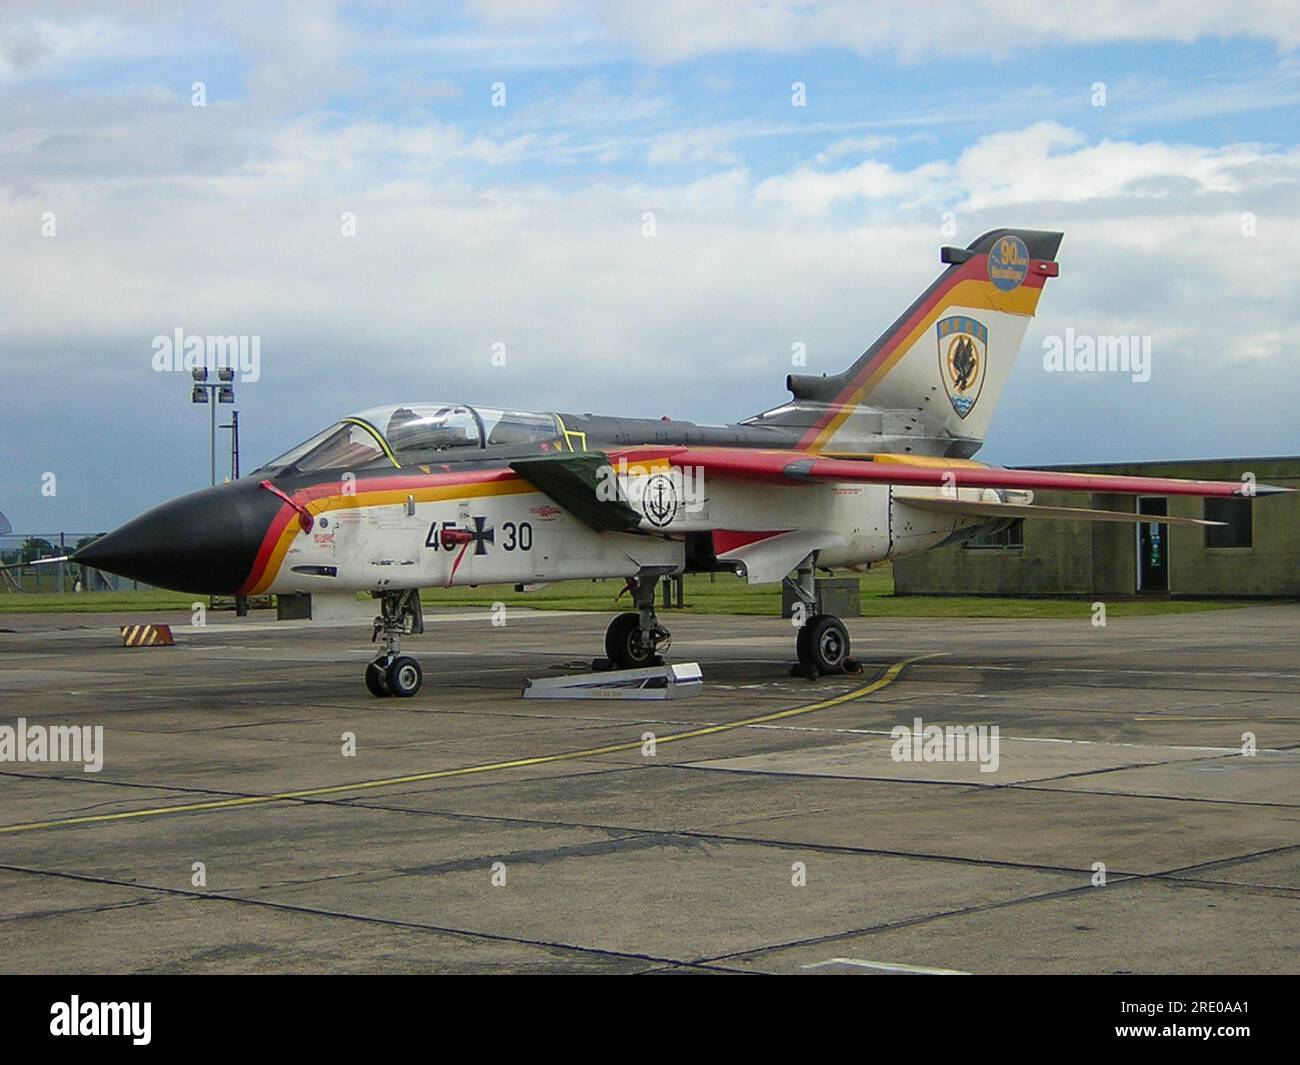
(419, 433)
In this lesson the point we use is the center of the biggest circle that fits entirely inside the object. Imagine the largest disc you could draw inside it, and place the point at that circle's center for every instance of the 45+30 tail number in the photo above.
(514, 536)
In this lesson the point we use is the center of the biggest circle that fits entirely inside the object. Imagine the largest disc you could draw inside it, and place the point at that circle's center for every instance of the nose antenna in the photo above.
(37, 562)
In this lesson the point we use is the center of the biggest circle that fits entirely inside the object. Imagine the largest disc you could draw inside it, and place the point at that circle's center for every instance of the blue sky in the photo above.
(522, 225)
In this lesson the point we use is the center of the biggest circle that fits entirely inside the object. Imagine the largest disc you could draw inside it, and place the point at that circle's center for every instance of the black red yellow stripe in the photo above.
(965, 286)
(373, 492)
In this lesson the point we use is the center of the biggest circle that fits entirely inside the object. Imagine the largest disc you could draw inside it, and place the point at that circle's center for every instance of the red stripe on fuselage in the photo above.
(725, 540)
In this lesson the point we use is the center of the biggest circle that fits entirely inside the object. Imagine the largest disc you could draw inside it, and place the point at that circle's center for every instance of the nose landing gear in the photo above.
(393, 673)
(636, 639)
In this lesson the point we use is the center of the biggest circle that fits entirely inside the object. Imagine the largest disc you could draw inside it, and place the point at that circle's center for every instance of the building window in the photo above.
(1239, 530)
(1012, 536)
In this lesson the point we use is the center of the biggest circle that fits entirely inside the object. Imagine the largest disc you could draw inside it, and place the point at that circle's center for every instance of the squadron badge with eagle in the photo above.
(963, 349)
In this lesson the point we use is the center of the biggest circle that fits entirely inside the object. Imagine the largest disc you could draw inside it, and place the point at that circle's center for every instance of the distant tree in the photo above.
(34, 547)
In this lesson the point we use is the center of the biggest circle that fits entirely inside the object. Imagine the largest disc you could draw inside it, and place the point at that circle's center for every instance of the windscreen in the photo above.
(346, 445)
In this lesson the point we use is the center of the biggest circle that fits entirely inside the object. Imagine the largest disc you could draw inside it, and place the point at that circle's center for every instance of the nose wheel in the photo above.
(628, 646)
(400, 676)
(636, 639)
(393, 673)
(377, 679)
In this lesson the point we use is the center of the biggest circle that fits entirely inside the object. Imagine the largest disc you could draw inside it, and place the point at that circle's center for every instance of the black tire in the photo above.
(377, 680)
(802, 648)
(404, 677)
(623, 644)
(828, 643)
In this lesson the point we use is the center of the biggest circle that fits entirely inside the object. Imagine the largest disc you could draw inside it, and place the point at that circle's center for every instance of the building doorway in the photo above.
(1153, 546)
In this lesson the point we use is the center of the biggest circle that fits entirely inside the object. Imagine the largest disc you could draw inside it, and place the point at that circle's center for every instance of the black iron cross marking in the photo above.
(481, 537)
(452, 534)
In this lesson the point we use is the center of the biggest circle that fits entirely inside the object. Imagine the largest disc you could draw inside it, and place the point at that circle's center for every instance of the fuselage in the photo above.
(431, 493)
(424, 495)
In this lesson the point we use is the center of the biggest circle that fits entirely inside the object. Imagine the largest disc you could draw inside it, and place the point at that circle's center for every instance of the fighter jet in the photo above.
(853, 469)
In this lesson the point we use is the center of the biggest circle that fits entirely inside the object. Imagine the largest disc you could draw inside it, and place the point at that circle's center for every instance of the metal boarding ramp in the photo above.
(678, 681)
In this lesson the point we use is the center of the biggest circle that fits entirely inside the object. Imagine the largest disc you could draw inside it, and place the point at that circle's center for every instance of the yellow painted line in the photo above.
(887, 678)
(565, 430)
(569, 434)
(379, 438)
(1187, 717)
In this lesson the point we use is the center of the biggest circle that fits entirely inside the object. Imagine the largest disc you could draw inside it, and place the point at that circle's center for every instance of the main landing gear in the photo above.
(636, 639)
(394, 673)
(822, 645)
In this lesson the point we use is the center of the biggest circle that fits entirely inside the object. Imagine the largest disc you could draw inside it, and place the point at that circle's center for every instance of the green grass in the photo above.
(731, 595)
(94, 602)
(725, 594)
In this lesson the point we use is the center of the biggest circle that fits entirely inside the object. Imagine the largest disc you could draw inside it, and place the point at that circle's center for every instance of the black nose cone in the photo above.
(204, 542)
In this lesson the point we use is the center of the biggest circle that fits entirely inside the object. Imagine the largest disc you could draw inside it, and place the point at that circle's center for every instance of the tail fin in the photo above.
(934, 376)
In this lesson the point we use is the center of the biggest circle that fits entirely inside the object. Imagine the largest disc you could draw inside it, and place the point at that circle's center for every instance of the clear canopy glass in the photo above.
(418, 433)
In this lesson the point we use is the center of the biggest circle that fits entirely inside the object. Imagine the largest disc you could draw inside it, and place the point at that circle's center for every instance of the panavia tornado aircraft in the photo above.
(870, 464)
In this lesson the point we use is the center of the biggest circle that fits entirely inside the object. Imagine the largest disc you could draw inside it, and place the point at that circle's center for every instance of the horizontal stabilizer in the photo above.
(975, 508)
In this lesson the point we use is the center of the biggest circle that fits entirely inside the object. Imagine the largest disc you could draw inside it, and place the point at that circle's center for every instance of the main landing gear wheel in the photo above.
(801, 648)
(826, 642)
(822, 643)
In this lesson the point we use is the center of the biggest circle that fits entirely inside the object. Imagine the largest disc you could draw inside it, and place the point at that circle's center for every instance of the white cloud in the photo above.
(32, 43)
(227, 220)
(1048, 163)
(810, 191)
(691, 146)
(442, 264)
(716, 83)
(1045, 163)
(868, 144)
(675, 30)
(510, 12)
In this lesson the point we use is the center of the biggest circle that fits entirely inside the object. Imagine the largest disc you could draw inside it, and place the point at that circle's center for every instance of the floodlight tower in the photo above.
(224, 387)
